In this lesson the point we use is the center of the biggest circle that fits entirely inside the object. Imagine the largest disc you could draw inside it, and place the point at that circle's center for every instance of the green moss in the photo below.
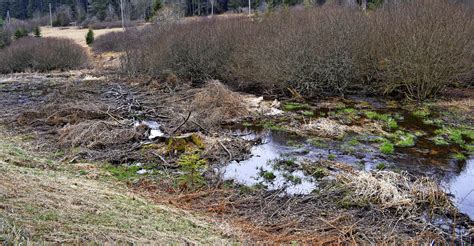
(459, 156)
(293, 106)
(197, 140)
(387, 148)
(308, 113)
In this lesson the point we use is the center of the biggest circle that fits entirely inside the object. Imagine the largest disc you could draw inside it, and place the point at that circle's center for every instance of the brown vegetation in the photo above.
(415, 49)
(42, 54)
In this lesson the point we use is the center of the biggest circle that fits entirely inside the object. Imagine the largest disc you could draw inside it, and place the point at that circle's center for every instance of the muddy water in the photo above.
(424, 159)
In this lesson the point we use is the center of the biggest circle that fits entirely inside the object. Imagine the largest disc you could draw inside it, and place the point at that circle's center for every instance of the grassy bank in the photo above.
(42, 201)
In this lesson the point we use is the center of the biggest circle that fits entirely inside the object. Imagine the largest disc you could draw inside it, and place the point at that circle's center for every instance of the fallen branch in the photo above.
(184, 122)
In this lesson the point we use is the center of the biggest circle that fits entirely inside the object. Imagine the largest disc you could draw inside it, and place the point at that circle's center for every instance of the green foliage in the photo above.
(20, 33)
(90, 37)
(157, 5)
(331, 157)
(192, 167)
(2, 22)
(387, 148)
(37, 32)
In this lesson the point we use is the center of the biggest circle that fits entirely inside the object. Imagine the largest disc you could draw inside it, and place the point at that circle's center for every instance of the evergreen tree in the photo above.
(21, 32)
(90, 37)
(37, 32)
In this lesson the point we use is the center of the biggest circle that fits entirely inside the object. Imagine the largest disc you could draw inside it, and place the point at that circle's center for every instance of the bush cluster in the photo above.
(415, 49)
(41, 54)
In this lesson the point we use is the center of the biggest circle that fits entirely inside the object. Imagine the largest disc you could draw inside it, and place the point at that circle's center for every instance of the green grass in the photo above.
(318, 142)
(387, 148)
(439, 140)
(390, 122)
(293, 106)
(308, 113)
(123, 173)
(353, 142)
(403, 139)
(456, 135)
(268, 176)
(319, 173)
(381, 166)
(272, 126)
(459, 156)
(331, 157)
(421, 113)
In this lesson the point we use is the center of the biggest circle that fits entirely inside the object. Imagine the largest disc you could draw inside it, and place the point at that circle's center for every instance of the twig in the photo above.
(184, 122)
(225, 148)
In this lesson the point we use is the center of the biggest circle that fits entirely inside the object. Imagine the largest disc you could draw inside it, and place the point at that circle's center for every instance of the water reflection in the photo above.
(461, 185)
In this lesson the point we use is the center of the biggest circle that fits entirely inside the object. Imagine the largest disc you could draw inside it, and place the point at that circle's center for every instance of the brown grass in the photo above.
(215, 104)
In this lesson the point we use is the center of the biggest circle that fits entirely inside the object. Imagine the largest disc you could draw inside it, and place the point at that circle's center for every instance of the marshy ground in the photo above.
(335, 171)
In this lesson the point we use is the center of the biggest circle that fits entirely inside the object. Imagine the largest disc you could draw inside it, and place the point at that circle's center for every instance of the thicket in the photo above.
(41, 54)
(415, 49)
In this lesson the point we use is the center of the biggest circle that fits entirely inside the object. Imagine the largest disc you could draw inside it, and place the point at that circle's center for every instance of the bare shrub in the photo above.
(224, 103)
(42, 54)
(423, 46)
(414, 49)
(114, 41)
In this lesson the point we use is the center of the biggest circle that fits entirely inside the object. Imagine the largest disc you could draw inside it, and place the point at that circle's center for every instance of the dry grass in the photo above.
(94, 134)
(76, 34)
(215, 103)
(393, 190)
(41, 206)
